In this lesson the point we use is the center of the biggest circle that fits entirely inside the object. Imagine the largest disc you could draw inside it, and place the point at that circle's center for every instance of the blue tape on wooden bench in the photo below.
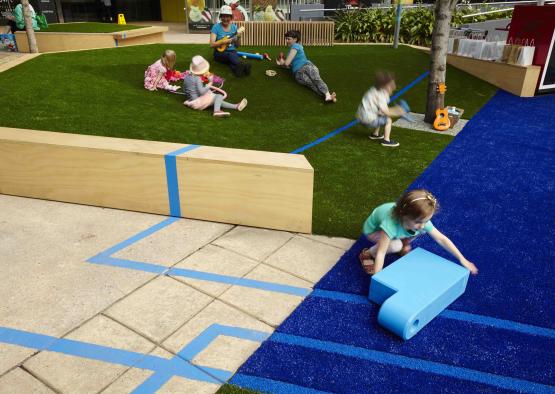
(415, 289)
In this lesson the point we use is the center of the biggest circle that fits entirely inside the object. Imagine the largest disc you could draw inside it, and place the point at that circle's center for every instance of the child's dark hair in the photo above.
(293, 34)
(382, 78)
(416, 204)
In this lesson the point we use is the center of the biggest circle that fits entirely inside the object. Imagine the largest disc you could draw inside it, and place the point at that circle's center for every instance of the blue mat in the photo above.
(496, 184)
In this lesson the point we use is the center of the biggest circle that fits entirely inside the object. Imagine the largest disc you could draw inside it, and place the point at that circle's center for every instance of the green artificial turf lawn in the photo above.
(230, 389)
(88, 27)
(101, 92)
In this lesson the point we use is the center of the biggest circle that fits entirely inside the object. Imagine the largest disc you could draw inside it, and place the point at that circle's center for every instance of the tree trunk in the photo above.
(29, 27)
(438, 56)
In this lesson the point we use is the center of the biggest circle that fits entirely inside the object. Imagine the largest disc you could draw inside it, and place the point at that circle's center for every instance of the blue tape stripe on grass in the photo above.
(448, 314)
(354, 122)
(143, 234)
(326, 137)
(414, 364)
(270, 386)
(409, 86)
(172, 181)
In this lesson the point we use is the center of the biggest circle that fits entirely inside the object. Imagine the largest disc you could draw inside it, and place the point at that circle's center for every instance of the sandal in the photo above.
(367, 263)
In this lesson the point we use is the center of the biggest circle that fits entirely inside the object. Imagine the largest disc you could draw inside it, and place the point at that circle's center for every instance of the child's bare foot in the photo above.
(242, 104)
(221, 114)
(330, 97)
(366, 261)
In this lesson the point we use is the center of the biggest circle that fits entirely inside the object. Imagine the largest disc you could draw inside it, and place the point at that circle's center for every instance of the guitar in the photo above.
(221, 46)
(442, 121)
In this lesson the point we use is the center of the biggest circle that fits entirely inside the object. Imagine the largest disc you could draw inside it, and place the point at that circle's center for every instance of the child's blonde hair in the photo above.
(168, 59)
(382, 78)
(416, 204)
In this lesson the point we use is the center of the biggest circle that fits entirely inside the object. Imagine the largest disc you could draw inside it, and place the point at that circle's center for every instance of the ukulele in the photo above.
(221, 46)
(442, 121)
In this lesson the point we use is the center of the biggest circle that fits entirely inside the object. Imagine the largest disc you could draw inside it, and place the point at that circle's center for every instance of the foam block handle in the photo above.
(414, 290)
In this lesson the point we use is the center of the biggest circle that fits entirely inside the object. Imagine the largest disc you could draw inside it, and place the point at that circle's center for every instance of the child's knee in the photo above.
(395, 246)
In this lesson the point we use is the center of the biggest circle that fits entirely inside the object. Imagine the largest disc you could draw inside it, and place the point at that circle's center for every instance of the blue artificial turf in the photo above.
(496, 184)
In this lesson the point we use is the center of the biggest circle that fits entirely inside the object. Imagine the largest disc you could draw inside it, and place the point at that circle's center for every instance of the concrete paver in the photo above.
(305, 258)
(225, 352)
(214, 259)
(48, 287)
(159, 308)
(21, 381)
(12, 355)
(256, 243)
(269, 307)
(174, 242)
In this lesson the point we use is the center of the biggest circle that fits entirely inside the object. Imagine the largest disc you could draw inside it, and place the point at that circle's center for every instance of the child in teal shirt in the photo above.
(393, 226)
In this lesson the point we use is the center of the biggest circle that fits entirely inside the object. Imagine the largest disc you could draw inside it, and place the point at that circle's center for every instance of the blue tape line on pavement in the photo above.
(254, 284)
(198, 344)
(102, 353)
(264, 385)
(172, 181)
(449, 314)
(200, 275)
(354, 122)
(414, 364)
(143, 234)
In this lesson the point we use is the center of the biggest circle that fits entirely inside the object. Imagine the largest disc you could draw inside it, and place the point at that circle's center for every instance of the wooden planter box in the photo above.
(519, 80)
(56, 42)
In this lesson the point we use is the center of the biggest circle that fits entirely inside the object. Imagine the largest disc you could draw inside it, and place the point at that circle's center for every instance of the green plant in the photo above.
(417, 24)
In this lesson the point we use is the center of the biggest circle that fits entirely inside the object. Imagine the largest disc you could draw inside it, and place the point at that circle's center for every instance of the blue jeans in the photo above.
(228, 57)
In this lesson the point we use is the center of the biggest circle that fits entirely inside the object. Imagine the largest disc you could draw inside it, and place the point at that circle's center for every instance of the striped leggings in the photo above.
(309, 75)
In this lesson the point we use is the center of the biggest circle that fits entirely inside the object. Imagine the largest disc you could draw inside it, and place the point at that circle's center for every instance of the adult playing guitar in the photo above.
(225, 38)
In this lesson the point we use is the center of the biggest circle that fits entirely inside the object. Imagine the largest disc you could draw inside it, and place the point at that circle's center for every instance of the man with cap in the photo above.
(227, 30)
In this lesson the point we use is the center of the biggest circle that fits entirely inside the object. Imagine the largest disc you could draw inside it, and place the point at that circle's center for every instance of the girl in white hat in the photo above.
(200, 96)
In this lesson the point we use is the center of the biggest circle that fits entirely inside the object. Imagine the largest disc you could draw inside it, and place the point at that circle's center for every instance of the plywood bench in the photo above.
(58, 41)
(272, 33)
(519, 80)
(253, 188)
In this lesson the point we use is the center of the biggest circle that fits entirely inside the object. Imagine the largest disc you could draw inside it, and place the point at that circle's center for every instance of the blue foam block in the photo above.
(414, 290)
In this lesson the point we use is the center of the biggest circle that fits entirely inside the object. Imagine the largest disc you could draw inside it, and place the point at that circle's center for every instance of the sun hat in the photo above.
(199, 65)
(226, 10)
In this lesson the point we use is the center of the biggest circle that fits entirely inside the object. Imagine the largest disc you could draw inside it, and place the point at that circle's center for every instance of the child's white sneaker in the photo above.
(242, 104)
(221, 114)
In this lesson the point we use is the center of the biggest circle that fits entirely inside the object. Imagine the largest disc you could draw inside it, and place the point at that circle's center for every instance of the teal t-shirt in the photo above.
(381, 218)
(220, 33)
(300, 58)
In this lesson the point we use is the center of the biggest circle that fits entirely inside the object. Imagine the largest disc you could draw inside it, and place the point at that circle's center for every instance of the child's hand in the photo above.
(469, 266)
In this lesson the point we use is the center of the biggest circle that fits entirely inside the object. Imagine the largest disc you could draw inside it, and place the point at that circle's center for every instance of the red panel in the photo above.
(533, 22)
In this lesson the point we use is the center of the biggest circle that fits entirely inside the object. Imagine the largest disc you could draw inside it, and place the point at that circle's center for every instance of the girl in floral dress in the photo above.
(155, 73)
